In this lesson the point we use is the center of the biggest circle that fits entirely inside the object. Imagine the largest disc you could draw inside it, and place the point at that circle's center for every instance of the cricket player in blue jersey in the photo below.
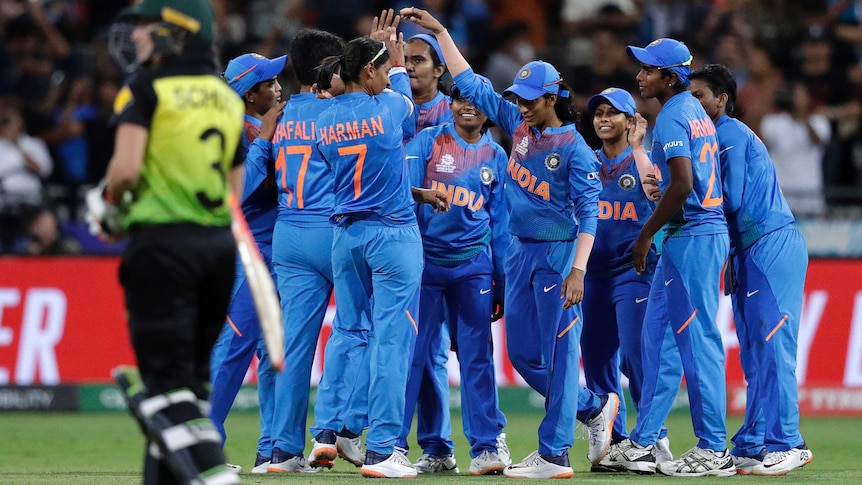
(552, 180)
(462, 283)
(425, 66)
(302, 242)
(253, 77)
(615, 295)
(684, 293)
(376, 249)
(765, 279)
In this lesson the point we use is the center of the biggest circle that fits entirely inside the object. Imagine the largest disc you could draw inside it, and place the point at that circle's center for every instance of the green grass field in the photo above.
(96, 449)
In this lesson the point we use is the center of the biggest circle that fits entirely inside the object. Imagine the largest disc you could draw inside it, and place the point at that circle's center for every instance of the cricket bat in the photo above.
(262, 288)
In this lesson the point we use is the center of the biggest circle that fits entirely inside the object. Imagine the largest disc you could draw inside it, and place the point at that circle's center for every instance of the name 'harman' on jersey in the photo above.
(683, 129)
(195, 122)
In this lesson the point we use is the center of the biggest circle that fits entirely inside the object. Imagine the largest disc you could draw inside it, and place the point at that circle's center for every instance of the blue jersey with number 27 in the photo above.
(683, 129)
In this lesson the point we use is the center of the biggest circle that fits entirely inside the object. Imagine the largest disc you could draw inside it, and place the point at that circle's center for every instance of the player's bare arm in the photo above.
(681, 184)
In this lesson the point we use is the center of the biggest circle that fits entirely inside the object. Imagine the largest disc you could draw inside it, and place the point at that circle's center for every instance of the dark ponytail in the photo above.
(565, 105)
(328, 67)
(359, 52)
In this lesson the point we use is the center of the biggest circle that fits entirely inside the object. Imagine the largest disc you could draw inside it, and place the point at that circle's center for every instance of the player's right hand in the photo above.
(650, 183)
(422, 18)
(270, 120)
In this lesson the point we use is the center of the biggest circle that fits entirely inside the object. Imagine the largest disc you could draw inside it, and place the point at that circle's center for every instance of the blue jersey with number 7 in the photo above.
(360, 136)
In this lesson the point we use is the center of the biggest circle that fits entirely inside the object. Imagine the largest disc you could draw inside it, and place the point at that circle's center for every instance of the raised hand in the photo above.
(270, 120)
(637, 131)
(379, 25)
(423, 19)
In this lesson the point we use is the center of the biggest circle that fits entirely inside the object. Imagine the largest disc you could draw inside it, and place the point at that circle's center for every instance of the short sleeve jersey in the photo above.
(683, 129)
(195, 122)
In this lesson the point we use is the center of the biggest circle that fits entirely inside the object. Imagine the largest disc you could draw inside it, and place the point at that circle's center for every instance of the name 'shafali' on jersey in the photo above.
(459, 196)
(523, 177)
(351, 130)
(294, 130)
(197, 97)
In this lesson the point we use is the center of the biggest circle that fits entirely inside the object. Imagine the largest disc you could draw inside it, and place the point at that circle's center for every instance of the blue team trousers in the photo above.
(372, 260)
(766, 306)
(542, 338)
(463, 296)
(237, 343)
(302, 257)
(433, 417)
(684, 297)
(614, 308)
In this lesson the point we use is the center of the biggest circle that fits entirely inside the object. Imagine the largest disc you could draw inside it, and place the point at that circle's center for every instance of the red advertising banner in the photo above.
(62, 321)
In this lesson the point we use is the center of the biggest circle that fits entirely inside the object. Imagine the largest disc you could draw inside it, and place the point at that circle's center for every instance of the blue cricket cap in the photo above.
(536, 79)
(620, 99)
(665, 53)
(245, 71)
(432, 41)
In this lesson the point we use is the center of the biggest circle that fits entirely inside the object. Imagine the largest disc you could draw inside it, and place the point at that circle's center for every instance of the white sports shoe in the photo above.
(350, 449)
(234, 468)
(699, 462)
(322, 454)
(436, 464)
(297, 464)
(534, 466)
(781, 462)
(601, 428)
(396, 466)
(261, 468)
(745, 464)
(503, 449)
(628, 455)
(662, 450)
(488, 463)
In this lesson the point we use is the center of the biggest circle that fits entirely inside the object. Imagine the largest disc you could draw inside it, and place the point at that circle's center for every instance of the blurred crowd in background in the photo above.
(798, 64)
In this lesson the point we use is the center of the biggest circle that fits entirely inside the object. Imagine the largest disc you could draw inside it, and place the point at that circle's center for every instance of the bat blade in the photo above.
(262, 287)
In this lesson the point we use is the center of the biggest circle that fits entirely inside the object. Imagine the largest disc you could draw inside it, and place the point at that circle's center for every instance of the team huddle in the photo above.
(379, 185)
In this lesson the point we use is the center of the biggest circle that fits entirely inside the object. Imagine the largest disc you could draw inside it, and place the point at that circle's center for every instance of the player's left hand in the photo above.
(498, 310)
(103, 216)
(572, 291)
(639, 252)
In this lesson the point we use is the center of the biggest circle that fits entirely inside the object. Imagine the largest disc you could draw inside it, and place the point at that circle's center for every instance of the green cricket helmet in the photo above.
(183, 25)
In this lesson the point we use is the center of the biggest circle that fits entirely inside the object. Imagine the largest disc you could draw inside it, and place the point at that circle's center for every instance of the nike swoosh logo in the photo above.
(751, 293)
(641, 300)
(484, 292)
(549, 288)
(668, 282)
(726, 149)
